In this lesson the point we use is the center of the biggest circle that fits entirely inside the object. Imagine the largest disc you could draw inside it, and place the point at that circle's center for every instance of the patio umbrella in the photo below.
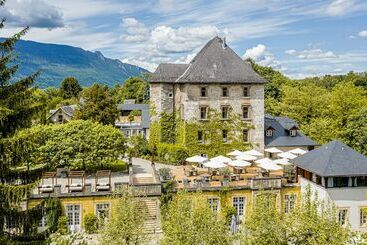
(287, 155)
(254, 153)
(196, 159)
(298, 151)
(270, 166)
(264, 160)
(246, 157)
(239, 163)
(221, 158)
(273, 150)
(235, 153)
(282, 161)
(214, 164)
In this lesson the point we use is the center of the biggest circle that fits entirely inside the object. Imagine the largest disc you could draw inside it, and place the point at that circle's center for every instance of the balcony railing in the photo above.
(147, 189)
(266, 183)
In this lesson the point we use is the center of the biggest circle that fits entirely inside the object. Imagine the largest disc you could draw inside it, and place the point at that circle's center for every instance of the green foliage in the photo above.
(97, 105)
(188, 219)
(172, 153)
(91, 223)
(133, 88)
(139, 146)
(70, 88)
(125, 226)
(62, 225)
(79, 144)
(356, 132)
(168, 128)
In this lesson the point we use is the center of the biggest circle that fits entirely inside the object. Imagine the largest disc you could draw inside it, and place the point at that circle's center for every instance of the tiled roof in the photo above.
(333, 159)
(215, 63)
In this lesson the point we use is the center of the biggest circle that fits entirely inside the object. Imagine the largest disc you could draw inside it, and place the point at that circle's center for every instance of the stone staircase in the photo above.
(151, 225)
(143, 179)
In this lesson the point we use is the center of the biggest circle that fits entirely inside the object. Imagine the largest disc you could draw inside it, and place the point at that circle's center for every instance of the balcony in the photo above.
(265, 183)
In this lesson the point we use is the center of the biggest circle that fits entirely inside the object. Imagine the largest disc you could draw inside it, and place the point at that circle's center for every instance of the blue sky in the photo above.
(299, 38)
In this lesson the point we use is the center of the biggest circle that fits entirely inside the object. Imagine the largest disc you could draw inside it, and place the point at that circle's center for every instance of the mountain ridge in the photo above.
(57, 61)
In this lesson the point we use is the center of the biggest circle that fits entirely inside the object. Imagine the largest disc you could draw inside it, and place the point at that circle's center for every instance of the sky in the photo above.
(298, 38)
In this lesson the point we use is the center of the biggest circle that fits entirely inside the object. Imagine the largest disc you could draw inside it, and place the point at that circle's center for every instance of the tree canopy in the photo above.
(70, 88)
(133, 88)
(98, 105)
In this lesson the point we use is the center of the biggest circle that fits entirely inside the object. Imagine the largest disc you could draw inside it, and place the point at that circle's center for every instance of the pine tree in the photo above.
(17, 108)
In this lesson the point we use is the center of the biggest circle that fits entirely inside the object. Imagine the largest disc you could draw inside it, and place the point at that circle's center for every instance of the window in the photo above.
(363, 216)
(224, 92)
(245, 112)
(293, 132)
(214, 204)
(269, 133)
(60, 118)
(203, 92)
(289, 203)
(343, 216)
(170, 95)
(245, 135)
(246, 92)
(239, 204)
(361, 181)
(225, 110)
(102, 210)
(73, 214)
(341, 181)
(224, 135)
(200, 136)
(203, 112)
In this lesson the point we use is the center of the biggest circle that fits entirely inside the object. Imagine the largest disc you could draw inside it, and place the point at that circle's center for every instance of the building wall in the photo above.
(55, 117)
(351, 198)
(187, 101)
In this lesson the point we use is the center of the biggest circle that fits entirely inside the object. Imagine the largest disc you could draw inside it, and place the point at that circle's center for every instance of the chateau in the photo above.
(217, 78)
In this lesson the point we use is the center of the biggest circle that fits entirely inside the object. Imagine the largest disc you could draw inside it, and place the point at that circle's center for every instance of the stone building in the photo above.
(217, 78)
(62, 114)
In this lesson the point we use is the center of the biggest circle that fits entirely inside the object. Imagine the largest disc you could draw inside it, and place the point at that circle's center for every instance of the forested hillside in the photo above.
(326, 108)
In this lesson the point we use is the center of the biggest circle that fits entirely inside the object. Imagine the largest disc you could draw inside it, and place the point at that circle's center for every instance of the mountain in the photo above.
(55, 62)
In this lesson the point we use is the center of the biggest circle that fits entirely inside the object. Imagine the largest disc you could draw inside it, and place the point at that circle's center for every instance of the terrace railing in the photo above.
(266, 183)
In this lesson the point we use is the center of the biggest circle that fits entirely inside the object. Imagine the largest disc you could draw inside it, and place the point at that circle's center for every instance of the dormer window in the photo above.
(269, 133)
(224, 92)
(293, 132)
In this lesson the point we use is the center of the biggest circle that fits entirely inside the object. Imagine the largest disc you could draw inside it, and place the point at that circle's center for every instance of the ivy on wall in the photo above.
(183, 136)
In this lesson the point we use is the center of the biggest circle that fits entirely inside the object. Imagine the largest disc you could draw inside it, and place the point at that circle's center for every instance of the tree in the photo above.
(188, 219)
(355, 134)
(126, 224)
(70, 88)
(97, 105)
(133, 88)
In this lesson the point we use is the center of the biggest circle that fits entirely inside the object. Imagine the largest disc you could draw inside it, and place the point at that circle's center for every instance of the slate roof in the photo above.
(215, 63)
(144, 108)
(281, 137)
(333, 159)
(67, 109)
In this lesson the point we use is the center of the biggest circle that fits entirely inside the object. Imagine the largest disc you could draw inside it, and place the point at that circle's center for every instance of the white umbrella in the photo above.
(282, 161)
(246, 157)
(214, 164)
(254, 153)
(273, 150)
(235, 153)
(287, 155)
(221, 158)
(298, 151)
(239, 163)
(264, 160)
(196, 159)
(270, 166)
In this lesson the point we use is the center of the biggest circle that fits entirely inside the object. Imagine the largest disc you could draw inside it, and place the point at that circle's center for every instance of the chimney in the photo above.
(224, 45)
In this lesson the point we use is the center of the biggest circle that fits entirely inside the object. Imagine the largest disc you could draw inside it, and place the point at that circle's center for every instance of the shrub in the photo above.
(62, 225)
(172, 153)
(90, 223)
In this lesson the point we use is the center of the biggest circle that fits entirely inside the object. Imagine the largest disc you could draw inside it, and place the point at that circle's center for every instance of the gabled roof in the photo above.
(67, 109)
(215, 63)
(281, 137)
(333, 159)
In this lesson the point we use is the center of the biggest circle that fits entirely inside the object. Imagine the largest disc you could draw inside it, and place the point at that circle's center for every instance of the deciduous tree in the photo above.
(70, 88)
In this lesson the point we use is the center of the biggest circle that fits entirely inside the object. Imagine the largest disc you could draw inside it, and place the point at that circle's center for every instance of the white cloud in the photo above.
(135, 30)
(34, 13)
(315, 53)
(262, 56)
(352, 37)
(340, 7)
(185, 59)
(362, 33)
(142, 63)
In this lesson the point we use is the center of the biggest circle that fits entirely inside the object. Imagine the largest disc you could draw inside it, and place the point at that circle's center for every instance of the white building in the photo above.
(338, 174)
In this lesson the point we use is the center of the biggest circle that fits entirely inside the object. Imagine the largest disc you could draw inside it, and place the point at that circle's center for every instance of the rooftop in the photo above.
(215, 63)
(281, 137)
(333, 159)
